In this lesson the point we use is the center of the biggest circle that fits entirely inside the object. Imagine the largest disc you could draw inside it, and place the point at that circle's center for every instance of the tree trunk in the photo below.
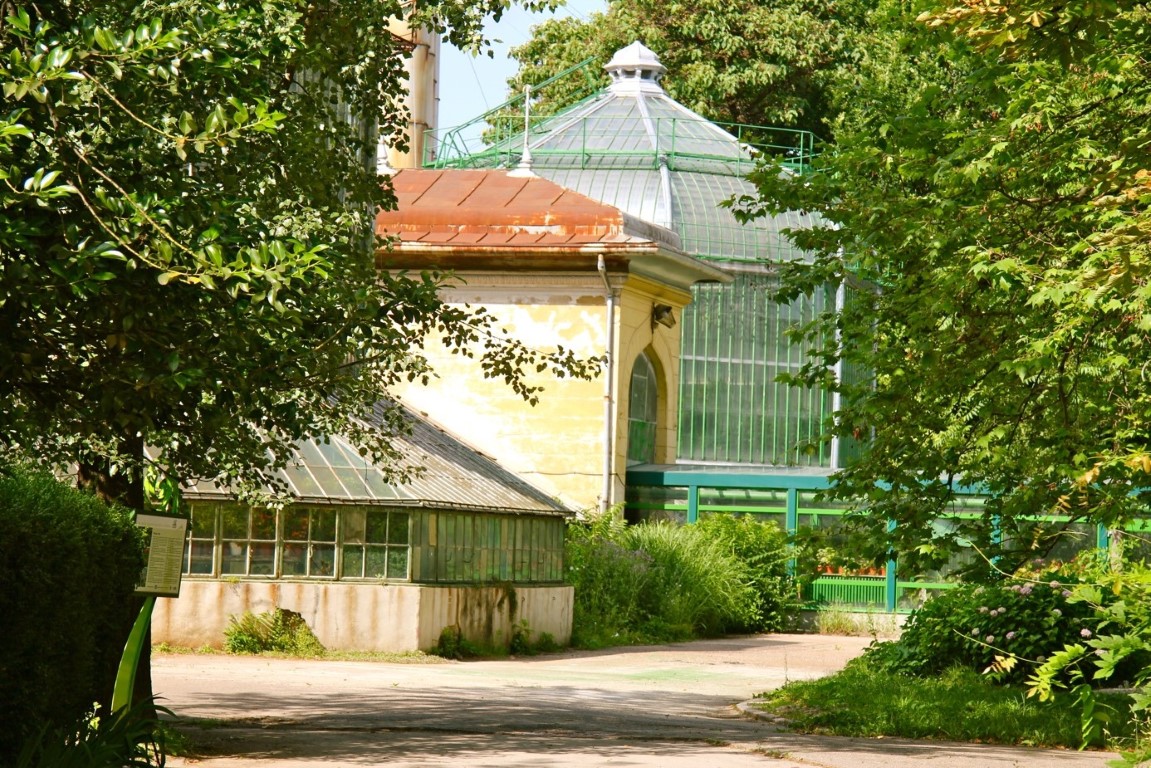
(122, 482)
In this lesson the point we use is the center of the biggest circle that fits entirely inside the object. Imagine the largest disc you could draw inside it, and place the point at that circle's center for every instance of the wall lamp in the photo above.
(661, 314)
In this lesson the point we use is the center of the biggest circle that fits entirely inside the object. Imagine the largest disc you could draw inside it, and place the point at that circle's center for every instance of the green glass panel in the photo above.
(296, 525)
(264, 524)
(398, 527)
(353, 563)
(352, 480)
(323, 560)
(324, 525)
(263, 559)
(732, 409)
(376, 562)
(234, 523)
(377, 528)
(201, 557)
(302, 480)
(295, 560)
(353, 522)
(235, 558)
(397, 563)
(203, 522)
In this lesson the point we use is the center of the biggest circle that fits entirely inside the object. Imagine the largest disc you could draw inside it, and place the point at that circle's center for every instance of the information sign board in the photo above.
(164, 553)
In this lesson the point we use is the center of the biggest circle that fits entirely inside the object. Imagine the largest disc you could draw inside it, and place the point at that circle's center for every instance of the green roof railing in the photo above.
(451, 147)
(680, 142)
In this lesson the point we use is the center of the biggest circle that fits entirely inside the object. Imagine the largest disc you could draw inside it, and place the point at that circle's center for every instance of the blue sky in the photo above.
(469, 86)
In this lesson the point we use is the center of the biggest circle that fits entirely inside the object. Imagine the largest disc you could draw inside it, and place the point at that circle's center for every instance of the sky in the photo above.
(470, 86)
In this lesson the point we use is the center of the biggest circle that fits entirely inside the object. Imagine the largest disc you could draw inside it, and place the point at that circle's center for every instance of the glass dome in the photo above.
(635, 148)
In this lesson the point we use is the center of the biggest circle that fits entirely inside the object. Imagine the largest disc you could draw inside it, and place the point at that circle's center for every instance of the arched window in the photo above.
(642, 411)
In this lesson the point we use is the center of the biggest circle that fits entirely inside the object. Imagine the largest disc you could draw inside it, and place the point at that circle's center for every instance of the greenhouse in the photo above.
(373, 558)
(633, 147)
(746, 443)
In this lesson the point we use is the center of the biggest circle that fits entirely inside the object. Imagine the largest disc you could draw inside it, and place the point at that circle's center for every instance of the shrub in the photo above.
(68, 565)
(453, 645)
(608, 578)
(695, 585)
(129, 738)
(972, 624)
(763, 549)
(277, 630)
(655, 582)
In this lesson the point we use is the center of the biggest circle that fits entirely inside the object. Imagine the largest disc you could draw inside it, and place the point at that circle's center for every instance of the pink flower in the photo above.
(991, 638)
(1010, 635)
(1085, 632)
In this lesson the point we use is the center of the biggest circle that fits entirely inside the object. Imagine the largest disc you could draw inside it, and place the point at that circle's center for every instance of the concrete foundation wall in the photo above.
(367, 617)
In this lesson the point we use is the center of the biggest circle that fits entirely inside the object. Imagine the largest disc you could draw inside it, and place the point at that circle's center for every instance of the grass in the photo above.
(849, 621)
(959, 705)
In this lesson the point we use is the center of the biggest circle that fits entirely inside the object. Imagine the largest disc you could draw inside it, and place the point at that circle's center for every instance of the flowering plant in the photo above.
(1026, 619)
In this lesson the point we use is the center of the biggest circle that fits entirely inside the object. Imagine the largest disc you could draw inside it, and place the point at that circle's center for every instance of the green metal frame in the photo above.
(866, 592)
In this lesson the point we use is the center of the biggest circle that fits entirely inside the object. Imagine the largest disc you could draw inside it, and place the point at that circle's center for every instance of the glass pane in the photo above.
(353, 481)
(234, 523)
(235, 557)
(201, 557)
(296, 525)
(203, 522)
(397, 563)
(353, 562)
(377, 527)
(263, 558)
(323, 560)
(302, 480)
(263, 524)
(329, 486)
(376, 562)
(294, 562)
(398, 528)
(324, 525)
(353, 525)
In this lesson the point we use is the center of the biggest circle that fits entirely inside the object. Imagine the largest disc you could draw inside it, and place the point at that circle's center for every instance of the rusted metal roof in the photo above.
(444, 473)
(509, 220)
(504, 209)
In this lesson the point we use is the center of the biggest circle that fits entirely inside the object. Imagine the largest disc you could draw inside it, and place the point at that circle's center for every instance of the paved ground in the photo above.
(656, 707)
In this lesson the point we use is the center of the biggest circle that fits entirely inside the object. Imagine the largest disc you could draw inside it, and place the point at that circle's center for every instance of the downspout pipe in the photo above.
(608, 395)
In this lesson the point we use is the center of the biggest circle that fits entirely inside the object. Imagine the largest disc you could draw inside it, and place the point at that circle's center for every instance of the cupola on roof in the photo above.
(635, 148)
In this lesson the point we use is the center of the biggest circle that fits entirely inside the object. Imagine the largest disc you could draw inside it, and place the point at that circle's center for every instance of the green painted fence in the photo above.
(791, 500)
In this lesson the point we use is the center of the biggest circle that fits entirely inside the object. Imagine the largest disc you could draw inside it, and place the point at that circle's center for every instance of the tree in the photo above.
(189, 195)
(188, 258)
(988, 195)
(745, 62)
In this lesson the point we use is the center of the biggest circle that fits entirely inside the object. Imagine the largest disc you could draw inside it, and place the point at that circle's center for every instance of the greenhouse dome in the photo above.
(633, 147)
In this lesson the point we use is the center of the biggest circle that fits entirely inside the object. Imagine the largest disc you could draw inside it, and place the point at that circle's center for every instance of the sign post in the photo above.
(163, 569)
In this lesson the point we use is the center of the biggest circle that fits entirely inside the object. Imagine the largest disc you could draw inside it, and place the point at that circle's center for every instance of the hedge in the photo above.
(68, 567)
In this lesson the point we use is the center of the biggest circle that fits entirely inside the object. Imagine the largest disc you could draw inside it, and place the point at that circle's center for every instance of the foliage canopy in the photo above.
(188, 195)
(746, 62)
(988, 196)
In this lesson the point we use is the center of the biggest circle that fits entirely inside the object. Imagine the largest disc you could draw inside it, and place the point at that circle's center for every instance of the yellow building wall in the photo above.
(558, 444)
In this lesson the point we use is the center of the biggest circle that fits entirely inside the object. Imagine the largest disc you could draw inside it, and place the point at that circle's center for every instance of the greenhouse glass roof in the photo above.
(635, 148)
(437, 470)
